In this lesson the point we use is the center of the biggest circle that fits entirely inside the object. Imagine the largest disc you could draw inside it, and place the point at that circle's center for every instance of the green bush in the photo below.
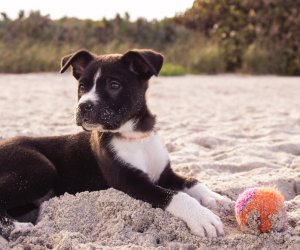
(238, 24)
(209, 60)
(172, 70)
(259, 60)
(257, 36)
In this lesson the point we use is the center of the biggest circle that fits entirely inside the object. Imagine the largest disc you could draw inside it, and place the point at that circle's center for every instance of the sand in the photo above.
(230, 132)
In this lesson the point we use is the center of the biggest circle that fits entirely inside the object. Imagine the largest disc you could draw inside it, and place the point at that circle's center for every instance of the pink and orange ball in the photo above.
(261, 210)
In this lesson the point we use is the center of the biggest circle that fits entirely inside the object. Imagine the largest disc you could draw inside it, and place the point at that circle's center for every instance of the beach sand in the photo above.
(230, 132)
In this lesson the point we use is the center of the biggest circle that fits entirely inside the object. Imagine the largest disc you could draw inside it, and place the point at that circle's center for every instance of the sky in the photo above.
(97, 9)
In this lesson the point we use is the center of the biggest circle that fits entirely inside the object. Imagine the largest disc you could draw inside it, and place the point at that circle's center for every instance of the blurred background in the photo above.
(201, 36)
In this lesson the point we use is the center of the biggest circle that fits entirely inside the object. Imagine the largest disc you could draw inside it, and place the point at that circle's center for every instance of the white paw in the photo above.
(207, 224)
(209, 198)
(20, 229)
(21, 226)
(201, 220)
(216, 202)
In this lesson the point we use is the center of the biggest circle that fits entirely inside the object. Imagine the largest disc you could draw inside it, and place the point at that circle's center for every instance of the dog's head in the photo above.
(111, 88)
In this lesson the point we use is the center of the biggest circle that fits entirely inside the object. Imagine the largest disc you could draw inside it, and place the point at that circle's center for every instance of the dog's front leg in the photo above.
(200, 219)
(198, 190)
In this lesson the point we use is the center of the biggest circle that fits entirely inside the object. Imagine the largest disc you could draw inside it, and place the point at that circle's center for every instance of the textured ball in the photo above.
(261, 210)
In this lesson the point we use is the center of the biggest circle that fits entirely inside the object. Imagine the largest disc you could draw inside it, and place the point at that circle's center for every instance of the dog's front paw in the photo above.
(20, 228)
(211, 199)
(217, 202)
(201, 220)
(206, 223)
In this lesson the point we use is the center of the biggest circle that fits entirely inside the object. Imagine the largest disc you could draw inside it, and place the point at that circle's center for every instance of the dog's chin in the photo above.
(91, 127)
(97, 127)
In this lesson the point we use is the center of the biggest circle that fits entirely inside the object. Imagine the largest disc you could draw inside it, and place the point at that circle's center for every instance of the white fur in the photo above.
(207, 197)
(127, 127)
(127, 130)
(200, 219)
(148, 155)
(22, 225)
(91, 95)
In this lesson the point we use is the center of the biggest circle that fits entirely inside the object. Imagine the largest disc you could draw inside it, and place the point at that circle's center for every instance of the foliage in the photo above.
(272, 25)
(172, 70)
(210, 60)
(260, 60)
(213, 36)
(36, 43)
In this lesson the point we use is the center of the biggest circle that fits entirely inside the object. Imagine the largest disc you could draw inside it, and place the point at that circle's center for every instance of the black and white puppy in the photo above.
(119, 148)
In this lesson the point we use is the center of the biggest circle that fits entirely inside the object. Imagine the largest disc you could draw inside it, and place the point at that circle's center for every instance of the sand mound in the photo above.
(111, 219)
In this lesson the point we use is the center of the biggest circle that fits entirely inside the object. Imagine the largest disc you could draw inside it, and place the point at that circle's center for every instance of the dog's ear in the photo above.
(78, 60)
(143, 62)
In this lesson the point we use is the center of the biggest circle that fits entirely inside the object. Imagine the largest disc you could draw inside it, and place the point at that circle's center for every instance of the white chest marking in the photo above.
(91, 95)
(148, 155)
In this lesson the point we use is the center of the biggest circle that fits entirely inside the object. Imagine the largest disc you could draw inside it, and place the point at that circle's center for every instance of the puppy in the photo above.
(118, 149)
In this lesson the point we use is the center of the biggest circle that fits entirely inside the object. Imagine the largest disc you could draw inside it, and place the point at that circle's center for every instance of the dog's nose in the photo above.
(86, 106)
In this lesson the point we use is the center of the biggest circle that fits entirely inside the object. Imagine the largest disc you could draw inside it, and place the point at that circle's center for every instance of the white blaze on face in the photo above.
(91, 95)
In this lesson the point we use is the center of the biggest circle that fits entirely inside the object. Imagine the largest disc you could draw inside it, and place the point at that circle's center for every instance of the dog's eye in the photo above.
(81, 87)
(115, 85)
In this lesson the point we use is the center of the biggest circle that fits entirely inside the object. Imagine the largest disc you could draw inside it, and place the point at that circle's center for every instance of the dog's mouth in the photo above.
(90, 126)
(89, 123)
